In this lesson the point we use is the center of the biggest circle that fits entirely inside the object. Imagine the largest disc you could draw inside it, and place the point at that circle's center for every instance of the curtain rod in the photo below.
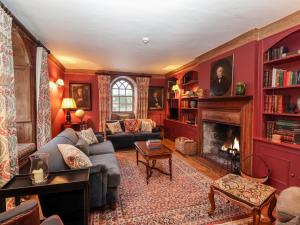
(19, 24)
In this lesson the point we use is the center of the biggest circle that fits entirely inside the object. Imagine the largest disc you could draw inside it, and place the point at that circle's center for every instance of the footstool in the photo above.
(244, 192)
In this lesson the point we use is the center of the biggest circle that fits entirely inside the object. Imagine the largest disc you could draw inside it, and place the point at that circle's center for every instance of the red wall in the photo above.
(56, 96)
(93, 116)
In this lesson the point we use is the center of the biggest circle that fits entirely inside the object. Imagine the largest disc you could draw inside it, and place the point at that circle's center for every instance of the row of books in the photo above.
(281, 78)
(154, 144)
(275, 53)
(173, 103)
(276, 103)
(288, 130)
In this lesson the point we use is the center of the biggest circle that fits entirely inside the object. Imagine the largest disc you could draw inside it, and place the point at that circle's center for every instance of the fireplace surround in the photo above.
(232, 114)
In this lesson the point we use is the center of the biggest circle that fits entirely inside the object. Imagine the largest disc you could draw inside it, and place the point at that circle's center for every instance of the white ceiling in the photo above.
(107, 34)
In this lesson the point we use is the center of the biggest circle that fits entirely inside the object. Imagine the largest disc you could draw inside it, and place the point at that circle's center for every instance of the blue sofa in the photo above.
(125, 140)
(104, 174)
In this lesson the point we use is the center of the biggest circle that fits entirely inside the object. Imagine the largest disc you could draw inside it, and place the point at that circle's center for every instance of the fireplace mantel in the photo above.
(231, 110)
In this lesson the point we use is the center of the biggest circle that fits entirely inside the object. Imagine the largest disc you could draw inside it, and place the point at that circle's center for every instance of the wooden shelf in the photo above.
(224, 98)
(190, 82)
(278, 88)
(187, 108)
(181, 122)
(281, 114)
(282, 144)
(282, 60)
(173, 98)
(187, 98)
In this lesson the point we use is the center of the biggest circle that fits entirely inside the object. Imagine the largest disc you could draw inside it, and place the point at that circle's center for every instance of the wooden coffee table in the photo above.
(151, 156)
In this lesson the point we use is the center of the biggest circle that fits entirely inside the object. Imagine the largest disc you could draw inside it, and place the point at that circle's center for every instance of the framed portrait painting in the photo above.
(221, 77)
(155, 98)
(81, 93)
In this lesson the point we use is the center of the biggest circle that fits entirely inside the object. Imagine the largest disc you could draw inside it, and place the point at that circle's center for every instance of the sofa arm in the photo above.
(26, 213)
(98, 186)
(52, 220)
(99, 136)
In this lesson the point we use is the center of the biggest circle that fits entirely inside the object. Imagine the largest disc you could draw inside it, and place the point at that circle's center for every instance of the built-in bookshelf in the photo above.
(281, 92)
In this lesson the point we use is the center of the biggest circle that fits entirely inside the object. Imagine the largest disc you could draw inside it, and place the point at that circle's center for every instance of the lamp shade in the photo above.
(79, 113)
(68, 103)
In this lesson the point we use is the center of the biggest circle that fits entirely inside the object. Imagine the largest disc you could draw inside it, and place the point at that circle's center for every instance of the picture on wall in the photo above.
(221, 76)
(156, 98)
(81, 93)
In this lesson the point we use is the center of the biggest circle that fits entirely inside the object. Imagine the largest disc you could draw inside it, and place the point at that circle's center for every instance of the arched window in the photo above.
(122, 96)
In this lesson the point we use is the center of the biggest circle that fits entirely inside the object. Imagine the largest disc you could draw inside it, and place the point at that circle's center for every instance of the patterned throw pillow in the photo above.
(148, 120)
(73, 157)
(114, 127)
(89, 136)
(146, 127)
(132, 125)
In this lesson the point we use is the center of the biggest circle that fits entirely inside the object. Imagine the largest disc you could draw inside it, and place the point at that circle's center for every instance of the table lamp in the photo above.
(68, 104)
(79, 114)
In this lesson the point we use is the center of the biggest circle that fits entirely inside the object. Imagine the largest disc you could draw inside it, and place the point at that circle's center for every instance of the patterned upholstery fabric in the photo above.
(148, 120)
(89, 136)
(114, 127)
(142, 84)
(250, 192)
(146, 127)
(104, 100)
(25, 149)
(132, 125)
(74, 157)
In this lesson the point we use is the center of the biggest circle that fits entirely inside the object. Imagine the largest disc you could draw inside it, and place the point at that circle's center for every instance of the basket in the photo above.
(186, 146)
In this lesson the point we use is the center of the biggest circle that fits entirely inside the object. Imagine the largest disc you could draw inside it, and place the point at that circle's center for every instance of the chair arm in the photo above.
(27, 214)
(52, 220)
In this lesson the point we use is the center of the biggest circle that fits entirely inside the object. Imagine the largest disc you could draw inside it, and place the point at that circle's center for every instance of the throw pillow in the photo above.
(132, 125)
(114, 127)
(89, 136)
(146, 127)
(83, 146)
(73, 157)
(148, 120)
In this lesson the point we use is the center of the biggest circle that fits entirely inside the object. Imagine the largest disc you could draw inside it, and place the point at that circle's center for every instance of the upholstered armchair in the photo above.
(27, 214)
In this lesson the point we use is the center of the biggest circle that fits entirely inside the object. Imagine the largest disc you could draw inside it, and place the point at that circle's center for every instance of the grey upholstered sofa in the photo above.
(104, 174)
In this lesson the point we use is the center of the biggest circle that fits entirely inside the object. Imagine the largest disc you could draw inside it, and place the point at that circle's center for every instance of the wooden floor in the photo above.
(210, 170)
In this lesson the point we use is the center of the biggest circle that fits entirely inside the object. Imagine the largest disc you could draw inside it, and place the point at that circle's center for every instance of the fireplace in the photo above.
(225, 135)
(221, 144)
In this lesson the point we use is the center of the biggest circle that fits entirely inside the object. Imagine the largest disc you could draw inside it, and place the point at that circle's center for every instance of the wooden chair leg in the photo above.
(255, 213)
(271, 208)
(211, 197)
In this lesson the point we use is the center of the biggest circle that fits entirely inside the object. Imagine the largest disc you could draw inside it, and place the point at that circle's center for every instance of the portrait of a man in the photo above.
(156, 98)
(221, 77)
(81, 93)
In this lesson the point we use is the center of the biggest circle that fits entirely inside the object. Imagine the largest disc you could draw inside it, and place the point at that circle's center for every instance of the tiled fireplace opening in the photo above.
(221, 144)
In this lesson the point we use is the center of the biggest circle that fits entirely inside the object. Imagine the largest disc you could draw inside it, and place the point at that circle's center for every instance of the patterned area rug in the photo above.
(181, 201)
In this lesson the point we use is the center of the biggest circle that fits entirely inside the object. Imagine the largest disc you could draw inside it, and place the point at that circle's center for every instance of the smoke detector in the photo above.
(146, 40)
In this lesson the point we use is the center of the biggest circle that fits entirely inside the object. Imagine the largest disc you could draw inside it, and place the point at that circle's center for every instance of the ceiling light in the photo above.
(146, 40)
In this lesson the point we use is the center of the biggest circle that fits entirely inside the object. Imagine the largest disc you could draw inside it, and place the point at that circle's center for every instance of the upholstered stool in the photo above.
(245, 192)
(288, 206)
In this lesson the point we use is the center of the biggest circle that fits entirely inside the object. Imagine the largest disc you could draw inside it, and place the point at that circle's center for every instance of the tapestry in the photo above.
(8, 131)
(43, 98)
(104, 100)
(142, 84)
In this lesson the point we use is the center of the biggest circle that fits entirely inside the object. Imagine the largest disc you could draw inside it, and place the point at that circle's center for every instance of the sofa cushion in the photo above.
(288, 205)
(120, 121)
(146, 127)
(132, 125)
(144, 136)
(121, 137)
(70, 134)
(101, 148)
(74, 157)
(83, 146)
(89, 136)
(111, 163)
(114, 127)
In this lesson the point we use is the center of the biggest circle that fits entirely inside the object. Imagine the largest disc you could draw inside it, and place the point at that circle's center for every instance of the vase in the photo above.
(193, 104)
(240, 88)
(39, 169)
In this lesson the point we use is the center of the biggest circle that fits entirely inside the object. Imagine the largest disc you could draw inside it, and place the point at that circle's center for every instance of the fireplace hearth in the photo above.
(221, 145)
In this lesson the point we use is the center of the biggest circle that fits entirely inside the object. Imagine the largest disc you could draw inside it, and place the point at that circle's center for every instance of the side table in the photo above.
(58, 182)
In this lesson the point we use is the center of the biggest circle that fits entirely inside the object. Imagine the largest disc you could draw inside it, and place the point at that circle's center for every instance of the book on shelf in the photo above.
(280, 78)
(276, 53)
(288, 130)
(275, 103)
(296, 52)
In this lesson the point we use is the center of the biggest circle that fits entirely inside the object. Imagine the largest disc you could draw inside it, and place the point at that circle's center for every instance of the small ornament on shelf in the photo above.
(240, 88)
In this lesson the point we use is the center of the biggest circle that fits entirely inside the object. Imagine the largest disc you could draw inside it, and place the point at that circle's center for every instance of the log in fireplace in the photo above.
(225, 125)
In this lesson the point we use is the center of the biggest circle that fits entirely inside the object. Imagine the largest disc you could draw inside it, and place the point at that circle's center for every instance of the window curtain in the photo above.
(104, 100)
(43, 98)
(8, 130)
(142, 84)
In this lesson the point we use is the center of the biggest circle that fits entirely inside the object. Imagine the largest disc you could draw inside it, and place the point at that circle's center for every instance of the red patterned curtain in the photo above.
(142, 84)
(104, 100)
(8, 131)
(43, 98)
